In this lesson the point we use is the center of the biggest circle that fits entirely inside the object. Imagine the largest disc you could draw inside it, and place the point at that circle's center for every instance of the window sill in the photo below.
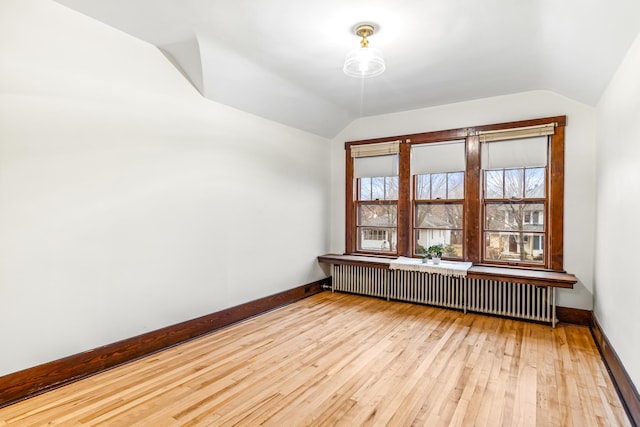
(549, 278)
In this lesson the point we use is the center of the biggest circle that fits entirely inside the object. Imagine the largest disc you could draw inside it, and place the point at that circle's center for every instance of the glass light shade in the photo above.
(364, 62)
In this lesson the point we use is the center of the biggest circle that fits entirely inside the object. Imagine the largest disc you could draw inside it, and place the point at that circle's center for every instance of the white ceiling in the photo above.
(282, 59)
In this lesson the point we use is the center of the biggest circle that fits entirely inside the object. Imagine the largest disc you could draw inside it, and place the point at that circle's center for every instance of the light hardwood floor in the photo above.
(337, 359)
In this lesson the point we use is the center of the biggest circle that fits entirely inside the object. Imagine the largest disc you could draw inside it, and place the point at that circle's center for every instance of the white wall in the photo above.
(579, 166)
(127, 201)
(617, 292)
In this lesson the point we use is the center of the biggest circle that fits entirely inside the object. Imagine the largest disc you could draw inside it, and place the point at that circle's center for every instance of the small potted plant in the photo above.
(423, 252)
(435, 252)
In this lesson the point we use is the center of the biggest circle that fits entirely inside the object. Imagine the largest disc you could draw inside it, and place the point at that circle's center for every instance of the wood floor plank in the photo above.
(336, 359)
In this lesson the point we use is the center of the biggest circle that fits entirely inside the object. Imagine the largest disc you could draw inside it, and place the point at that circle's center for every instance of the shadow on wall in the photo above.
(578, 297)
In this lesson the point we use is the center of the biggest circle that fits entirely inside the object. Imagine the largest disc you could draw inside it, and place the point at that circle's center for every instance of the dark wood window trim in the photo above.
(473, 236)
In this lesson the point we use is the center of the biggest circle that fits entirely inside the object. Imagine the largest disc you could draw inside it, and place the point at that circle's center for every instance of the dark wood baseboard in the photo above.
(38, 379)
(574, 316)
(625, 387)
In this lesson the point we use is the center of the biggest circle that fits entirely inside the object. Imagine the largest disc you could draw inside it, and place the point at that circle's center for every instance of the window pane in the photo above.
(537, 243)
(377, 239)
(439, 186)
(509, 246)
(535, 182)
(377, 188)
(514, 216)
(391, 183)
(438, 215)
(493, 184)
(513, 183)
(451, 240)
(456, 185)
(365, 188)
(376, 214)
(423, 185)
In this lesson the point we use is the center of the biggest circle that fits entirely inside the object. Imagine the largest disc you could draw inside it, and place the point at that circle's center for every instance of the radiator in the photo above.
(355, 279)
(517, 300)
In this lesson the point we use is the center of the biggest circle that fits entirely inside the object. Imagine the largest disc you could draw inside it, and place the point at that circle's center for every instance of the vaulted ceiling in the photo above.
(282, 59)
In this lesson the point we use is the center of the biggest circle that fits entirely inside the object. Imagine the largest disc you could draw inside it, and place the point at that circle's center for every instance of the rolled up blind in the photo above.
(376, 149)
(516, 133)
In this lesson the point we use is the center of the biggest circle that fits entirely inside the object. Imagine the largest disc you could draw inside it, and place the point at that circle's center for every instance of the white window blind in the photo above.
(378, 159)
(438, 157)
(513, 153)
(375, 166)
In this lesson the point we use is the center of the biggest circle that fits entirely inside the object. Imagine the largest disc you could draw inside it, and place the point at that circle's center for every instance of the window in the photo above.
(377, 213)
(497, 197)
(438, 195)
(438, 220)
(375, 168)
(511, 197)
(514, 174)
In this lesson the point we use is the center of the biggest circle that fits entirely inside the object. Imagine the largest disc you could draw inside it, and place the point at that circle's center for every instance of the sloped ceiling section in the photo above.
(282, 59)
(236, 80)
(186, 56)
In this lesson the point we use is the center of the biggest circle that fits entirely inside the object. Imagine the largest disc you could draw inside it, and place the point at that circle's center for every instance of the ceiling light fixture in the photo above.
(365, 61)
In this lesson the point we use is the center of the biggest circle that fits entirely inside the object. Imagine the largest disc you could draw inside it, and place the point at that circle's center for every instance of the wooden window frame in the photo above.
(472, 207)
(524, 200)
(426, 202)
(374, 227)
